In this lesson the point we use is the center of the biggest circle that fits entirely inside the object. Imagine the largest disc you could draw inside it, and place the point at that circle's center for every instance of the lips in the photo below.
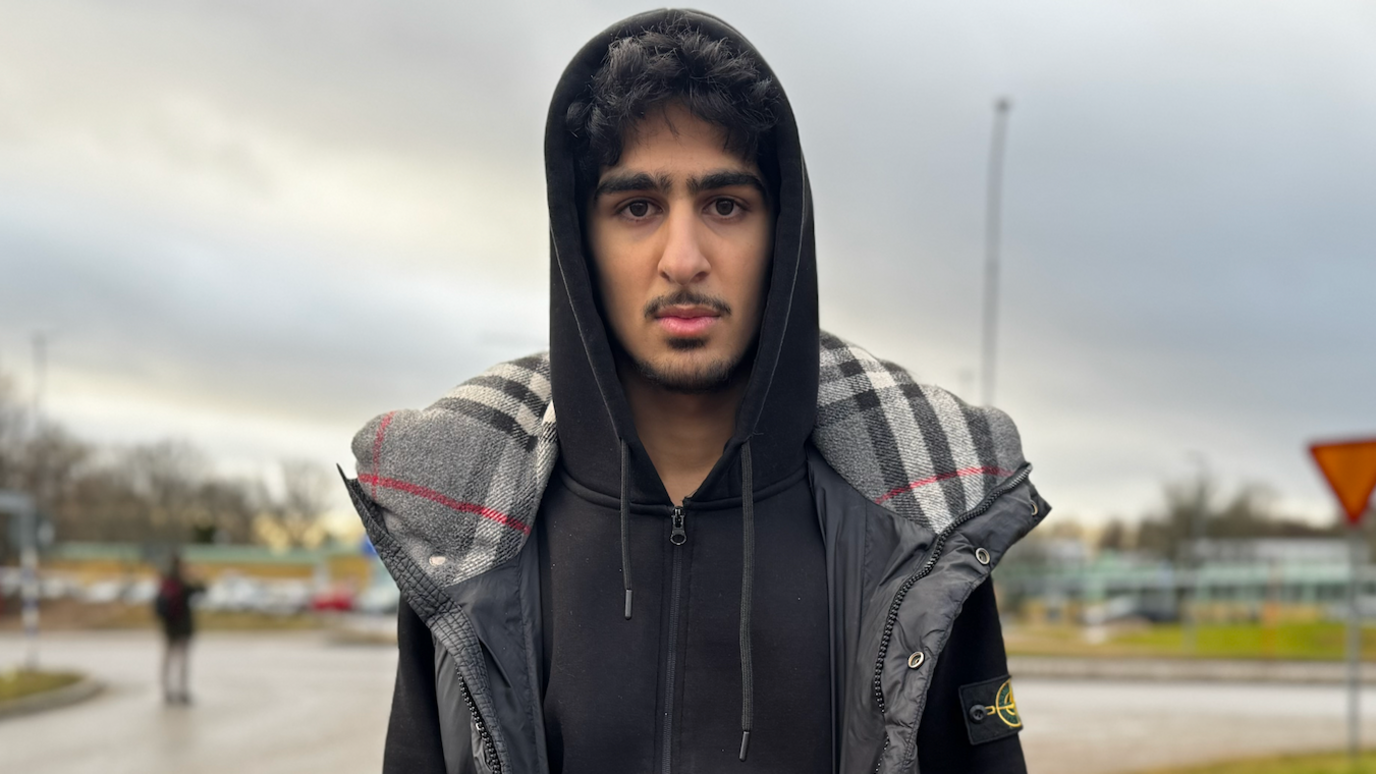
(694, 321)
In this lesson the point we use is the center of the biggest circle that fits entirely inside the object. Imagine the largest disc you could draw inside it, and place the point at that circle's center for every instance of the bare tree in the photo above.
(12, 419)
(1115, 536)
(306, 494)
(168, 476)
(163, 492)
(1192, 507)
(225, 510)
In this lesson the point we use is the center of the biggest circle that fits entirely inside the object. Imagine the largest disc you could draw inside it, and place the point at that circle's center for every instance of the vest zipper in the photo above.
(937, 546)
(677, 536)
(489, 747)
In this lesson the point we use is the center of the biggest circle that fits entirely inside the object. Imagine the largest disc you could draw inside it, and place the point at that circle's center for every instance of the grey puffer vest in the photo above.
(918, 497)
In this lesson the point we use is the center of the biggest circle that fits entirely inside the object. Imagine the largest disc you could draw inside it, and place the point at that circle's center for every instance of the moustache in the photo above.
(687, 298)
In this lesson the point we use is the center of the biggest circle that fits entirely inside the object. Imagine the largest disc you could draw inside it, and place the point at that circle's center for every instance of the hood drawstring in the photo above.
(747, 576)
(626, 527)
(747, 588)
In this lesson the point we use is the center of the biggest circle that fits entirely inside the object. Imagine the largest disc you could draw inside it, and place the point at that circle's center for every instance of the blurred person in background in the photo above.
(699, 535)
(172, 605)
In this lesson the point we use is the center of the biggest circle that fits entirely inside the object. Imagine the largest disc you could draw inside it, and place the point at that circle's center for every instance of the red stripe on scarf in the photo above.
(448, 502)
(942, 477)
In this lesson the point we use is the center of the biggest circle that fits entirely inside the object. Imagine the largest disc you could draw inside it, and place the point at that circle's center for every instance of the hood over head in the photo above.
(779, 406)
(461, 481)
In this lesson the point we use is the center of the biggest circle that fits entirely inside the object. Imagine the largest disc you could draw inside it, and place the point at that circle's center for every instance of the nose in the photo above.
(684, 260)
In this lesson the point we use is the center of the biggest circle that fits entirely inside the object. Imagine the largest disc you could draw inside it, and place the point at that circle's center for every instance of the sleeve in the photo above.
(973, 662)
(413, 733)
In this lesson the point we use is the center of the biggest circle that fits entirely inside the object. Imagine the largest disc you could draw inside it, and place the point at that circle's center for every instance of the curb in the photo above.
(77, 692)
(1183, 670)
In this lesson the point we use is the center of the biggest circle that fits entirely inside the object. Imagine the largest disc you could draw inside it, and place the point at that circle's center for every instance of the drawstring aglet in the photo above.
(745, 743)
(626, 526)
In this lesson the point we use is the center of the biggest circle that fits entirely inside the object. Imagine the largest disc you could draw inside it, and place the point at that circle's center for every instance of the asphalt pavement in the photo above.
(263, 703)
(288, 703)
(1109, 726)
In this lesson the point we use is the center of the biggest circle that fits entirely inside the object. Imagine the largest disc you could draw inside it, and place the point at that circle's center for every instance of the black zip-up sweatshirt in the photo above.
(662, 691)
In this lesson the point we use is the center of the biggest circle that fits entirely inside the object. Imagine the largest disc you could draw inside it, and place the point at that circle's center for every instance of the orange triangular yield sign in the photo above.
(1350, 468)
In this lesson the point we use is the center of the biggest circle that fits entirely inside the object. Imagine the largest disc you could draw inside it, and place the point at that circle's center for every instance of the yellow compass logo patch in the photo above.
(1005, 706)
(990, 710)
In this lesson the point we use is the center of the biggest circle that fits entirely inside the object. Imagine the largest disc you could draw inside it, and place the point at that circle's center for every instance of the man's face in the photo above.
(680, 232)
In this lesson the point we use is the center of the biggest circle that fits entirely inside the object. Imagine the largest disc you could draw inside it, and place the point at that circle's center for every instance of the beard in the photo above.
(693, 378)
(689, 378)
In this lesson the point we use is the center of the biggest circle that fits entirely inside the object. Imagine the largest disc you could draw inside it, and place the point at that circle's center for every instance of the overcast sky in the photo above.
(254, 225)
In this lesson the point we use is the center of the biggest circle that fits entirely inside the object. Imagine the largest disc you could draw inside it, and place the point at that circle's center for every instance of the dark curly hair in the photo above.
(674, 60)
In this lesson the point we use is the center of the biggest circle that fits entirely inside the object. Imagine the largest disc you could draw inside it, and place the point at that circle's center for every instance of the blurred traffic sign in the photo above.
(1350, 467)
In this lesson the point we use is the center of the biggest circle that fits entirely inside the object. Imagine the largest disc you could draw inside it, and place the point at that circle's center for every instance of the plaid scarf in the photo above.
(460, 482)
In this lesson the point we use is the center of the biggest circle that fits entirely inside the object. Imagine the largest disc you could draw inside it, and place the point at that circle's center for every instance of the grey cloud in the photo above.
(1188, 241)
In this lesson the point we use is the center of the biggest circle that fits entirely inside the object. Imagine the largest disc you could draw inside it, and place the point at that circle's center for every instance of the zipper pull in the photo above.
(679, 536)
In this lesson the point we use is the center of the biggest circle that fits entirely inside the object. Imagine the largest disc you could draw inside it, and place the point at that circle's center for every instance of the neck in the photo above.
(683, 433)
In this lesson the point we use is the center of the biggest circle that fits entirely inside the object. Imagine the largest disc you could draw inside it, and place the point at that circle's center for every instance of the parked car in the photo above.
(287, 597)
(333, 599)
(102, 592)
(379, 599)
(232, 591)
(141, 592)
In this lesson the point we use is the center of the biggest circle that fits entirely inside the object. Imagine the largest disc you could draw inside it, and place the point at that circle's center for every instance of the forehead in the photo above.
(671, 138)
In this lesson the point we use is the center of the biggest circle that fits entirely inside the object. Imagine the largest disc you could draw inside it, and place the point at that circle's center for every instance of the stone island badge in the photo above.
(990, 710)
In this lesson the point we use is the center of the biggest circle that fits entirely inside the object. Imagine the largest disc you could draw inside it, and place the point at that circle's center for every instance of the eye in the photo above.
(638, 209)
(725, 207)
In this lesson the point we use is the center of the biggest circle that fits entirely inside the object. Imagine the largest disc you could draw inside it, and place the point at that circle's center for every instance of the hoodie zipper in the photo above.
(489, 747)
(677, 537)
(937, 547)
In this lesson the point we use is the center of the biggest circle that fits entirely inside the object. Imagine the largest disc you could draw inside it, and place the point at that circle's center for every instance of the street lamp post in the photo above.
(28, 517)
(22, 509)
(992, 215)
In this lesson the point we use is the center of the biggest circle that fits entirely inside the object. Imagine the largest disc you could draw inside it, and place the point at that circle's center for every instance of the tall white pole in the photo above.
(29, 553)
(29, 588)
(992, 215)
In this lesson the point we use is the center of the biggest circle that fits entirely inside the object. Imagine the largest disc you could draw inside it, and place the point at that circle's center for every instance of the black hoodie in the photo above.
(632, 636)
(674, 683)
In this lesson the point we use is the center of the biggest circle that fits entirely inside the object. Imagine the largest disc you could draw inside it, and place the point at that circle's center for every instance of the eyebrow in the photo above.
(638, 181)
(724, 178)
(643, 181)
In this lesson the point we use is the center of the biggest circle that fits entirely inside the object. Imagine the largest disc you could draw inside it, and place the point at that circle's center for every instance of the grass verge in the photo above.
(71, 615)
(1332, 763)
(1317, 641)
(19, 683)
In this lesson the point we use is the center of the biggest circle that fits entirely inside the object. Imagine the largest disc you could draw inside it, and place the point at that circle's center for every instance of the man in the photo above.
(698, 535)
(172, 606)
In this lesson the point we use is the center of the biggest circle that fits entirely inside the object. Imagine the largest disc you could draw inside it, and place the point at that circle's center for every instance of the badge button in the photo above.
(990, 711)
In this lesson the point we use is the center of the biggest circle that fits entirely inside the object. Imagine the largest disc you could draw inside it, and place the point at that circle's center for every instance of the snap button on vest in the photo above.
(981, 556)
(916, 659)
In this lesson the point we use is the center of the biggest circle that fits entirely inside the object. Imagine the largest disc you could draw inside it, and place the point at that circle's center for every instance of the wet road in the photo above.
(280, 703)
(268, 704)
(1101, 727)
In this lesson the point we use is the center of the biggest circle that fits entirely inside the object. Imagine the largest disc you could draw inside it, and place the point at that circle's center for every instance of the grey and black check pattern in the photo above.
(459, 483)
(916, 449)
